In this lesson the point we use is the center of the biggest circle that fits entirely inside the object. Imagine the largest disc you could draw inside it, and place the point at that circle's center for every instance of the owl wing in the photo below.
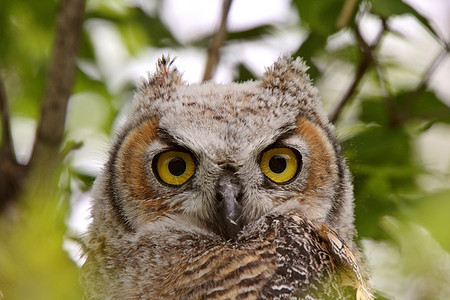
(284, 257)
(305, 268)
(346, 261)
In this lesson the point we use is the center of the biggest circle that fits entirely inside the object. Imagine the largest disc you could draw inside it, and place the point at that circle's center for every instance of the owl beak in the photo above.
(229, 208)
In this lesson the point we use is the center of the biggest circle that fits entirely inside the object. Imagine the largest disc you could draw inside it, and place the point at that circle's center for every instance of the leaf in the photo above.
(425, 105)
(432, 212)
(247, 35)
(26, 35)
(373, 110)
(380, 160)
(413, 261)
(387, 8)
(86, 47)
(251, 34)
(86, 180)
(406, 106)
(134, 36)
(372, 145)
(320, 16)
(33, 264)
(311, 47)
(244, 74)
(157, 34)
(350, 53)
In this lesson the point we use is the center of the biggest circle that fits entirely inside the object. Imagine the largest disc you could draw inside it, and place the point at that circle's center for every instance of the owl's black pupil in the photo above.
(277, 164)
(177, 166)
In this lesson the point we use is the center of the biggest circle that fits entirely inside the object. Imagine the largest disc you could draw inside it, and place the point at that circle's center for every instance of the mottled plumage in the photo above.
(224, 191)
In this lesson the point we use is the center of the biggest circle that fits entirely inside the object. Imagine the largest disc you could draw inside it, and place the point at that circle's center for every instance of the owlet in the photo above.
(234, 191)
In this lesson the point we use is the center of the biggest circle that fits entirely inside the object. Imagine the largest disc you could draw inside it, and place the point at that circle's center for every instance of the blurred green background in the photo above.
(394, 125)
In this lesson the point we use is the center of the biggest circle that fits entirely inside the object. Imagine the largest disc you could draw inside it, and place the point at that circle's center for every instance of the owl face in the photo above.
(222, 156)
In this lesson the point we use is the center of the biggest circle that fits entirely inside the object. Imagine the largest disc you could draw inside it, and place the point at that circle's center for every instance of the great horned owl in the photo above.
(224, 191)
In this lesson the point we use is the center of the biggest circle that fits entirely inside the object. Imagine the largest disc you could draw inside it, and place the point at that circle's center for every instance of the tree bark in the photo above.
(216, 43)
(41, 170)
(60, 80)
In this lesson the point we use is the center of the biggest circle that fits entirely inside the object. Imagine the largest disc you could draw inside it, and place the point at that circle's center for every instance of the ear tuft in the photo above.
(289, 84)
(287, 75)
(156, 88)
(164, 79)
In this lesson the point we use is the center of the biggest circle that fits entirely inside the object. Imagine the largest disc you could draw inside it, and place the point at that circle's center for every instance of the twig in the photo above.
(362, 68)
(216, 43)
(398, 116)
(7, 145)
(421, 87)
(432, 68)
(60, 80)
(366, 61)
(346, 13)
(393, 113)
(11, 173)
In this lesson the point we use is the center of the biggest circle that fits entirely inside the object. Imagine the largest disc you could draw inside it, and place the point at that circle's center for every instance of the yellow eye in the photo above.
(280, 164)
(174, 167)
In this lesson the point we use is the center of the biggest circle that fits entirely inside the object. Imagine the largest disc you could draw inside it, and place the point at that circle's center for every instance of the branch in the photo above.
(394, 114)
(366, 61)
(421, 87)
(216, 42)
(11, 173)
(59, 81)
(346, 13)
(7, 145)
(432, 68)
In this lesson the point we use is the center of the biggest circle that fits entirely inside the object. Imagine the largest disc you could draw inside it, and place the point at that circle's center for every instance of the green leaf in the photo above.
(418, 263)
(373, 110)
(134, 36)
(155, 32)
(158, 33)
(320, 16)
(26, 36)
(372, 145)
(245, 35)
(86, 180)
(86, 47)
(432, 212)
(33, 264)
(380, 160)
(387, 8)
(425, 105)
(244, 74)
(350, 53)
(406, 106)
(310, 48)
(251, 34)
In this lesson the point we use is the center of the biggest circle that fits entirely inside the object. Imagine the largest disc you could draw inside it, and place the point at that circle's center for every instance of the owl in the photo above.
(234, 191)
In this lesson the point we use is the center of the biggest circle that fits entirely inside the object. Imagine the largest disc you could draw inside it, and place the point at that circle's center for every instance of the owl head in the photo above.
(219, 157)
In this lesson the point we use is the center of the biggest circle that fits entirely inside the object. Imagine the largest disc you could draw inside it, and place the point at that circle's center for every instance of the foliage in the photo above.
(380, 125)
(33, 264)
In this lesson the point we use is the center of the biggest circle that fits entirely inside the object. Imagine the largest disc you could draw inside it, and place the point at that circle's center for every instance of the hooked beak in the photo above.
(229, 209)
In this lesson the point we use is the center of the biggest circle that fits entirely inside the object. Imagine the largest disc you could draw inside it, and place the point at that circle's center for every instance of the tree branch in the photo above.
(11, 173)
(7, 146)
(394, 113)
(432, 68)
(59, 81)
(367, 60)
(216, 42)
(423, 84)
(347, 10)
